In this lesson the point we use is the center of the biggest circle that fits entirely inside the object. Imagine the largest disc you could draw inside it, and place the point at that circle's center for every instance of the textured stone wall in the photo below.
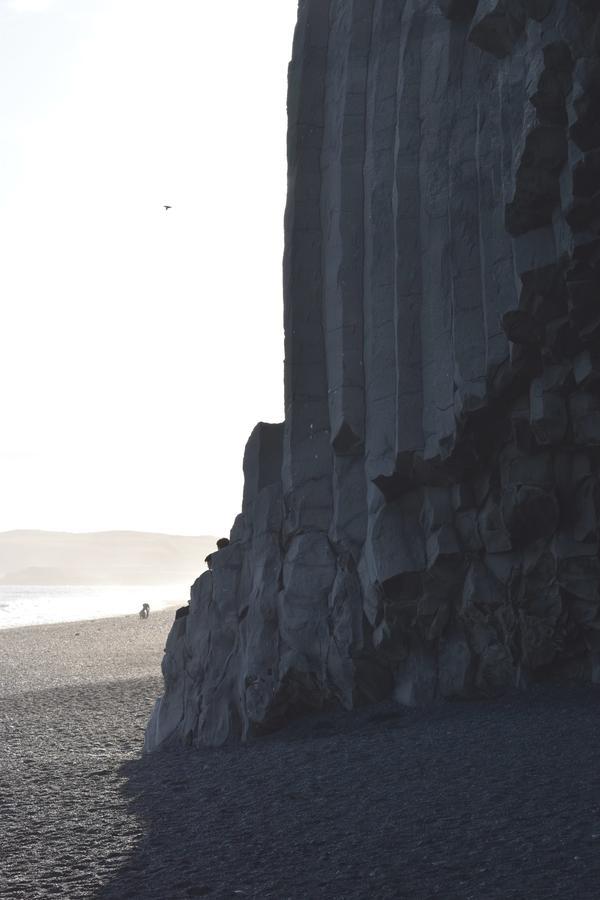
(425, 521)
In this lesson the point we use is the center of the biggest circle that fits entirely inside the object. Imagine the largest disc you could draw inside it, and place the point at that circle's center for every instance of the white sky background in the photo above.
(138, 347)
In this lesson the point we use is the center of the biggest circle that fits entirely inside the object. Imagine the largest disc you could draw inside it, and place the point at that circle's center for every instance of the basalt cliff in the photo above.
(425, 523)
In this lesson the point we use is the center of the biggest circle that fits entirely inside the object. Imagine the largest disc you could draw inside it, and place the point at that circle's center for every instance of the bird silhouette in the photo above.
(168, 207)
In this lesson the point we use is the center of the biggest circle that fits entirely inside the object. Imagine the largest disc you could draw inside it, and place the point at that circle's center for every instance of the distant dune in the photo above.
(108, 557)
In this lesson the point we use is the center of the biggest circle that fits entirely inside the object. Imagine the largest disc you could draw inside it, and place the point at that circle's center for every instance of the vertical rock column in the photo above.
(309, 565)
(307, 454)
(342, 204)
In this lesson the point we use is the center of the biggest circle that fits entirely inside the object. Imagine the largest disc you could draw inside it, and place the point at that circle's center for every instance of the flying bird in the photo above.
(168, 207)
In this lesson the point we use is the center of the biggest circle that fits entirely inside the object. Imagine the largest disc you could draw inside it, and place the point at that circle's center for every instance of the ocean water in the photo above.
(39, 605)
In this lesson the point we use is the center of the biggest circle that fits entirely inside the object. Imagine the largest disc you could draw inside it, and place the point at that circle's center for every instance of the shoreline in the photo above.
(109, 618)
(32, 605)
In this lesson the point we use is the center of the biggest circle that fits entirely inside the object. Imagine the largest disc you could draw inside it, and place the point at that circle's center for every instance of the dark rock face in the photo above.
(425, 521)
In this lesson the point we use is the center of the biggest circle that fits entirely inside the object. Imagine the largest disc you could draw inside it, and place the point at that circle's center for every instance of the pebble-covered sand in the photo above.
(479, 800)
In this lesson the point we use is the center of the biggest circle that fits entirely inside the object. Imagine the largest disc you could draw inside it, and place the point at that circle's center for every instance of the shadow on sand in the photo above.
(494, 800)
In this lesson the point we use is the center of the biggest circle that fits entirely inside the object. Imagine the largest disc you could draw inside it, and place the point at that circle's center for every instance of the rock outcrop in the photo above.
(426, 520)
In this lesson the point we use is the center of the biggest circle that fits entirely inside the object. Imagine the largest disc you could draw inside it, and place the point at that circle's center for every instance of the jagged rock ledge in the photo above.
(425, 522)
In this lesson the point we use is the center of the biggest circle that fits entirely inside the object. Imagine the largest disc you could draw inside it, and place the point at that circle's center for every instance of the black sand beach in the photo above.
(477, 800)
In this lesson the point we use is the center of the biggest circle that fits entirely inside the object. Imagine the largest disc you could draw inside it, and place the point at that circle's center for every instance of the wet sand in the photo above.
(479, 800)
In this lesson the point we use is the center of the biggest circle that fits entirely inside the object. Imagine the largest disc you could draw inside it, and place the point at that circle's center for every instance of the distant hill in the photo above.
(106, 557)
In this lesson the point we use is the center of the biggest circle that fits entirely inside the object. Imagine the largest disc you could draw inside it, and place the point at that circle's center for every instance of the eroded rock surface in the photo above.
(425, 521)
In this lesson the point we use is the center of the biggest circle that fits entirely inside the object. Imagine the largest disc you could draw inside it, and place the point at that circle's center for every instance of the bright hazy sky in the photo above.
(138, 347)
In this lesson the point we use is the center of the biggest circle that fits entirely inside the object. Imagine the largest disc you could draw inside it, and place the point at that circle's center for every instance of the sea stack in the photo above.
(425, 522)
